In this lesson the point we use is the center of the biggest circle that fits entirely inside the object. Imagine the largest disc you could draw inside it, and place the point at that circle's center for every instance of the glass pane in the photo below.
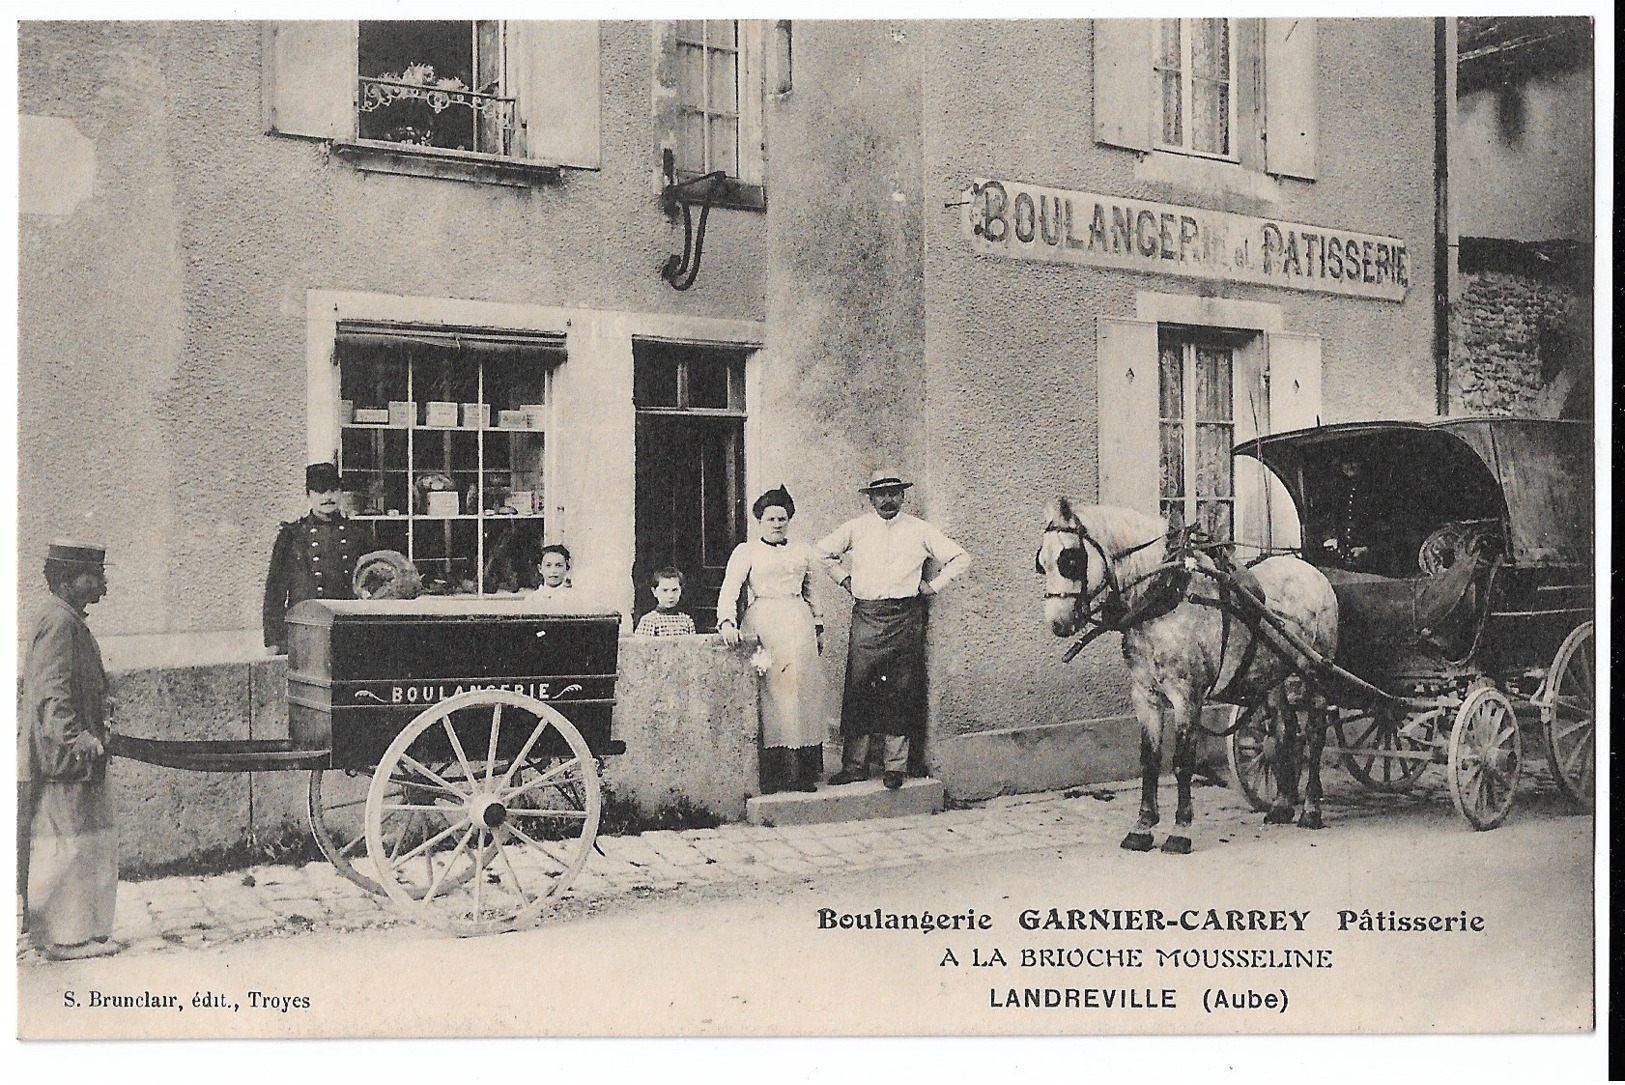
(691, 75)
(708, 384)
(1210, 117)
(1213, 443)
(654, 382)
(720, 32)
(1171, 371)
(1172, 459)
(724, 150)
(370, 377)
(1210, 48)
(1174, 513)
(516, 380)
(1214, 516)
(691, 143)
(719, 500)
(1213, 398)
(512, 548)
(1168, 44)
(690, 30)
(1173, 125)
(724, 85)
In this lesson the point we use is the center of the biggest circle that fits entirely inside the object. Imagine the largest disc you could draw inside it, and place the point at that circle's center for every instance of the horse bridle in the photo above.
(1085, 608)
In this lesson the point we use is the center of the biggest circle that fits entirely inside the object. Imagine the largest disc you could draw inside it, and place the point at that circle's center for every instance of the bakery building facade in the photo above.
(482, 267)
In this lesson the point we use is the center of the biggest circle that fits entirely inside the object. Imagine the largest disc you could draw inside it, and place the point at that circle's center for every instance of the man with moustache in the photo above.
(314, 557)
(879, 558)
(67, 868)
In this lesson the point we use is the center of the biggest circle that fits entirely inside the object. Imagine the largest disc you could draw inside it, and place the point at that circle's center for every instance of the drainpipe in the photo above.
(1444, 251)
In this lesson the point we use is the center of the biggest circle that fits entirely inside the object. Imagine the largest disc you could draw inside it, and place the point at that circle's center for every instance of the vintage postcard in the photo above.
(889, 527)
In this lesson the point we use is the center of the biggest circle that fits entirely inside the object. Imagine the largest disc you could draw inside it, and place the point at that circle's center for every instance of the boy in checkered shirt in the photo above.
(665, 620)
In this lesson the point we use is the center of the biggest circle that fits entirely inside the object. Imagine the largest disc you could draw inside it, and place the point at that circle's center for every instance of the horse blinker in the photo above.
(1073, 563)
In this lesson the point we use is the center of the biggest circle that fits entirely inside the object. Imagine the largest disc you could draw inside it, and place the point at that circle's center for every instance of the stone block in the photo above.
(849, 802)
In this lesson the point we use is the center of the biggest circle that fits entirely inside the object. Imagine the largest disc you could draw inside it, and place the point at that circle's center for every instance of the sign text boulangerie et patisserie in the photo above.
(1026, 222)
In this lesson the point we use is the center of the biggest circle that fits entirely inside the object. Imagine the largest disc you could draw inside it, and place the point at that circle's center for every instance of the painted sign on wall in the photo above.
(1026, 222)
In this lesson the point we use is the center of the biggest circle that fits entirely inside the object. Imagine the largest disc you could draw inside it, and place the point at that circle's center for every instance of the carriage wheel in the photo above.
(338, 821)
(1485, 754)
(1379, 731)
(486, 841)
(1250, 749)
(1569, 713)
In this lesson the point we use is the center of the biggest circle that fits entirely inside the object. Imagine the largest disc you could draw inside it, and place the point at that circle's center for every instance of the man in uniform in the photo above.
(314, 556)
(67, 868)
(879, 558)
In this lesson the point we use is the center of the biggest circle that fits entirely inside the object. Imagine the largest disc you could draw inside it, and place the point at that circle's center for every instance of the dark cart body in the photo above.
(1462, 558)
(452, 745)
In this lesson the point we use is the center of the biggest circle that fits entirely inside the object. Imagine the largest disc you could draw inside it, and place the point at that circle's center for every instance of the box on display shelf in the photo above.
(440, 413)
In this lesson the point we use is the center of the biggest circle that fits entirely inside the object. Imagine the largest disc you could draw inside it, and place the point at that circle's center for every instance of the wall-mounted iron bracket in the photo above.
(681, 271)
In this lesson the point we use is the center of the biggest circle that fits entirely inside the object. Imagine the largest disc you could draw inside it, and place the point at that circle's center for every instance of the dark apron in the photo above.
(885, 670)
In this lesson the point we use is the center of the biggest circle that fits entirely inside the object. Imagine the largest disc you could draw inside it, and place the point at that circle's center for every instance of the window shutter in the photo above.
(1289, 97)
(1294, 386)
(1126, 379)
(308, 78)
(1123, 84)
(752, 86)
(555, 74)
(1249, 134)
(1253, 524)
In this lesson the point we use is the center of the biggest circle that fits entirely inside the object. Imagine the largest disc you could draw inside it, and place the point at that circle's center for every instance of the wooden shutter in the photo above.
(308, 78)
(1290, 77)
(1123, 83)
(1130, 471)
(1294, 386)
(752, 86)
(1251, 411)
(554, 66)
(1248, 42)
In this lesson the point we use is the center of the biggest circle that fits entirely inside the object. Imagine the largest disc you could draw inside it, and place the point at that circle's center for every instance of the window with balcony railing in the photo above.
(434, 84)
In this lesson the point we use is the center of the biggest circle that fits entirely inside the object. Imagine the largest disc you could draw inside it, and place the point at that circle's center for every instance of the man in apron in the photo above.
(879, 558)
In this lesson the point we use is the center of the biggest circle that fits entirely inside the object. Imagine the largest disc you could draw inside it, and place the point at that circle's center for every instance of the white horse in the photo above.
(1188, 640)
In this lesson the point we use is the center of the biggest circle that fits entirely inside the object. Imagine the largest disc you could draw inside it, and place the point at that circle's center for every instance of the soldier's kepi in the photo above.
(314, 557)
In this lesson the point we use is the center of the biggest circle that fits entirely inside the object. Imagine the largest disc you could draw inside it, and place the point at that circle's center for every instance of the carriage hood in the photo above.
(1535, 475)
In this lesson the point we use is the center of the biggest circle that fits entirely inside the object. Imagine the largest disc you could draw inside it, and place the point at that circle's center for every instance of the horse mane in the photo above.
(1118, 530)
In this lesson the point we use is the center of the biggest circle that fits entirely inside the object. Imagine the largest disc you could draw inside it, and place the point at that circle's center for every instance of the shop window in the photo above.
(1196, 73)
(1239, 90)
(1196, 424)
(690, 468)
(710, 101)
(486, 100)
(443, 447)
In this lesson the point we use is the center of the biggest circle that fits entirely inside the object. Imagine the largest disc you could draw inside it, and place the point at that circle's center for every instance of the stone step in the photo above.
(861, 801)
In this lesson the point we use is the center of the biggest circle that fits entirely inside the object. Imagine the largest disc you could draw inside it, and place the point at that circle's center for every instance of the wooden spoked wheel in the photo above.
(1378, 754)
(338, 821)
(1568, 712)
(1250, 748)
(1486, 753)
(482, 811)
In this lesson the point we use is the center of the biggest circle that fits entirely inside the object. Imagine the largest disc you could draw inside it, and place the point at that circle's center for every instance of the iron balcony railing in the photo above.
(431, 115)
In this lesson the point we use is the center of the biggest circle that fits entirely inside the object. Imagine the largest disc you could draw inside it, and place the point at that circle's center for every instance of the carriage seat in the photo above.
(1375, 610)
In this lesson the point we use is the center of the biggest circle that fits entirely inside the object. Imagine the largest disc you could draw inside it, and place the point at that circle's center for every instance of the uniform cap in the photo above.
(321, 478)
(73, 550)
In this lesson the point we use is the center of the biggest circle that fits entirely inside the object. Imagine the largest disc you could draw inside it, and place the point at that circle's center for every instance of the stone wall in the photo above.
(1516, 333)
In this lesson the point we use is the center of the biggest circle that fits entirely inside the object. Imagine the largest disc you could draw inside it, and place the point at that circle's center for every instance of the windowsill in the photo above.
(1207, 174)
(379, 156)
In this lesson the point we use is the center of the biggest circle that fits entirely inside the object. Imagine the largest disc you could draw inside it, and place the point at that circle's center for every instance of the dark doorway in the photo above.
(690, 470)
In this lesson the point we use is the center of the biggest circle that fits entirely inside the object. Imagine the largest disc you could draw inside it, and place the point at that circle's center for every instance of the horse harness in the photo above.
(1240, 596)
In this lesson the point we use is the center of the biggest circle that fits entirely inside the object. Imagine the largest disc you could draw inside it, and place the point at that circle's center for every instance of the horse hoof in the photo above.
(1311, 820)
(1278, 815)
(1137, 842)
(1177, 845)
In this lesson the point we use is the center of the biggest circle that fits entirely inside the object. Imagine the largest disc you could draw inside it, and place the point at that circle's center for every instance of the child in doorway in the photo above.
(554, 566)
(665, 620)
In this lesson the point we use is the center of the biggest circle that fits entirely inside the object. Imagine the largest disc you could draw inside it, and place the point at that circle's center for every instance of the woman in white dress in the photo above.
(776, 574)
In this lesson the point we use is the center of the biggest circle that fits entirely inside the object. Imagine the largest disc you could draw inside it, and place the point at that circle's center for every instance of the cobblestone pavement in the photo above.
(166, 914)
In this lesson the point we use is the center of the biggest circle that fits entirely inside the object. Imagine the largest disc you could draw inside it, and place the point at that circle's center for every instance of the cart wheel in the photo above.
(482, 811)
(338, 821)
(1379, 731)
(1568, 711)
(1485, 754)
(1250, 749)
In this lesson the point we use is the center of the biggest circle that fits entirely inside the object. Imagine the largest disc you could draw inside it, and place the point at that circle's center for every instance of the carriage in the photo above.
(1460, 553)
(453, 748)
